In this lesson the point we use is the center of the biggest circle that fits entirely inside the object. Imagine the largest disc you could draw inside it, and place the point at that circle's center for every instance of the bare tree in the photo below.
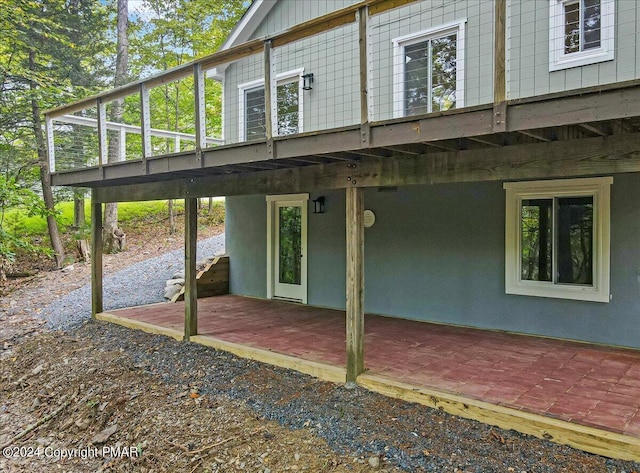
(45, 179)
(113, 237)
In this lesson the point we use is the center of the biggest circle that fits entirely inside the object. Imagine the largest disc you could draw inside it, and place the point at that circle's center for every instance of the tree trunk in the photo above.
(172, 218)
(78, 209)
(45, 179)
(111, 234)
(210, 205)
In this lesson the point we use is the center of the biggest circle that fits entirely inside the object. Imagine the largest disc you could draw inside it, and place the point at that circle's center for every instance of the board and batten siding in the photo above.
(528, 51)
(436, 253)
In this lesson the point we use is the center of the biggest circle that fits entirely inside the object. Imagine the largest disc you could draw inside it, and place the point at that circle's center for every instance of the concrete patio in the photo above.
(584, 395)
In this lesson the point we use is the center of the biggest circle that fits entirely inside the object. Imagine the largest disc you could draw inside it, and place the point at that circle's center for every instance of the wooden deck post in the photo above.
(190, 284)
(96, 257)
(500, 67)
(269, 88)
(355, 282)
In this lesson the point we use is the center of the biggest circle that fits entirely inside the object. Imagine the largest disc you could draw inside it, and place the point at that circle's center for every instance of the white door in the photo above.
(288, 268)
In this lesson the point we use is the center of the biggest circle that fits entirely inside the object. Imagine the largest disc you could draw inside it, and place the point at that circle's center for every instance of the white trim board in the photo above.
(281, 78)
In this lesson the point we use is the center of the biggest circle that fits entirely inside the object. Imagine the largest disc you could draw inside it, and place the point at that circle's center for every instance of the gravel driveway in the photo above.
(139, 284)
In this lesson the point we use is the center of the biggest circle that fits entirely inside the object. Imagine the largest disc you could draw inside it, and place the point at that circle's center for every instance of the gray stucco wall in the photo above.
(436, 253)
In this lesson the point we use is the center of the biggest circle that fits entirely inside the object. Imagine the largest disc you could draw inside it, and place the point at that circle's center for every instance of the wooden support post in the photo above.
(145, 125)
(122, 152)
(363, 31)
(500, 67)
(190, 284)
(201, 129)
(103, 142)
(96, 256)
(269, 77)
(355, 282)
(50, 143)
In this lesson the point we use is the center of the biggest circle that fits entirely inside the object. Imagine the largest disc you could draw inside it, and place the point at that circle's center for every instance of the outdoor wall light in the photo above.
(307, 80)
(318, 205)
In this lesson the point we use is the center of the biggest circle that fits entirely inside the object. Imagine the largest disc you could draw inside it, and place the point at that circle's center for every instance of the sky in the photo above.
(140, 10)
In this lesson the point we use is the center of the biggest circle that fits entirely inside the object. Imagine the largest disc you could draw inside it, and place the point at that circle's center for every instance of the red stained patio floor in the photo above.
(591, 385)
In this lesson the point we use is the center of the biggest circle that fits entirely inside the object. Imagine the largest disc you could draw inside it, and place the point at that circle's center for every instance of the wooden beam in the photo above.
(499, 51)
(355, 282)
(363, 32)
(51, 151)
(322, 371)
(140, 325)
(581, 157)
(269, 86)
(537, 136)
(574, 109)
(200, 115)
(145, 122)
(380, 6)
(593, 129)
(589, 439)
(103, 142)
(486, 140)
(190, 283)
(96, 256)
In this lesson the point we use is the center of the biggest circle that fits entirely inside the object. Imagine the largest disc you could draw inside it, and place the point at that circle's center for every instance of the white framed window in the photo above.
(286, 106)
(581, 32)
(557, 238)
(428, 70)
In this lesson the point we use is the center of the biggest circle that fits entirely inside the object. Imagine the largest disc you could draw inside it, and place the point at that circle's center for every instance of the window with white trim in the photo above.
(557, 238)
(581, 32)
(429, 70)
(286, 107)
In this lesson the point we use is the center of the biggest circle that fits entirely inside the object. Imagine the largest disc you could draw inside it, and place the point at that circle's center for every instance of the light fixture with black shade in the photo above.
(318, 205)
(307, 80)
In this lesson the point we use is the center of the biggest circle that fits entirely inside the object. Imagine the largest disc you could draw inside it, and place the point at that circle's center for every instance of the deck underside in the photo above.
(578, 394)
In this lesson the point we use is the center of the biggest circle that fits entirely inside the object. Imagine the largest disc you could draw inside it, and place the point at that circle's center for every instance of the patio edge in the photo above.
(139, 325)
(318, 370)
(588, 439)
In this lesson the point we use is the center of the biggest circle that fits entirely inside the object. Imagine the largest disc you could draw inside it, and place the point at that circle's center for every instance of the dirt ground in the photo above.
(105, 398)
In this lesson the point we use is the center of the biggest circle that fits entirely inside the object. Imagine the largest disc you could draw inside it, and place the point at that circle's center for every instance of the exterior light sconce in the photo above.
(307, 80)
(318, 205)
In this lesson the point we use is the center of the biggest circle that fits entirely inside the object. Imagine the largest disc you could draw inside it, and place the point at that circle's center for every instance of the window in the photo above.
(428, 70)
(581, 32)
(557, 238)
(287, 107)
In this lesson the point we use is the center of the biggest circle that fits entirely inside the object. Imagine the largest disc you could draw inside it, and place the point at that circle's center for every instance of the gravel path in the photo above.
(139, 284)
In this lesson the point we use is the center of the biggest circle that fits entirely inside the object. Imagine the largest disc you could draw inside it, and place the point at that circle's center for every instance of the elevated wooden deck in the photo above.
(579, 394)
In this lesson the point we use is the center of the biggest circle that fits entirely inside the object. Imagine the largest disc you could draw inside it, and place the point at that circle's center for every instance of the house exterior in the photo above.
(551, 257)
(468, 162)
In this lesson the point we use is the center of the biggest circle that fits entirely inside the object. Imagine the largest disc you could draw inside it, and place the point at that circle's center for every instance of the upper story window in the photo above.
(286, 107)
(557, 238)
(581, 32)
(429, 70)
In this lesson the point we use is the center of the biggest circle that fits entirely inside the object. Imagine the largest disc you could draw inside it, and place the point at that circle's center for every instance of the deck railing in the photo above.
(343, 69)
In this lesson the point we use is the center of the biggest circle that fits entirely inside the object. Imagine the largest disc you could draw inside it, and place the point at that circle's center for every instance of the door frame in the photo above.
(272, 200)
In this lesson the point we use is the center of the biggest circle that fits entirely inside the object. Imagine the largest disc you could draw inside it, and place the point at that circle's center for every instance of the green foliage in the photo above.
(180, 31)
(24, 204)
(216, 216)
(19, 221)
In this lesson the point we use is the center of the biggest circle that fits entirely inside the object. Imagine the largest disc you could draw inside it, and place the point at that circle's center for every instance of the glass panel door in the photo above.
(289, 250)
(290, 244)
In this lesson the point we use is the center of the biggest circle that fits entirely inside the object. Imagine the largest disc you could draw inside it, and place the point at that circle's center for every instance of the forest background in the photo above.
(53, 52)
